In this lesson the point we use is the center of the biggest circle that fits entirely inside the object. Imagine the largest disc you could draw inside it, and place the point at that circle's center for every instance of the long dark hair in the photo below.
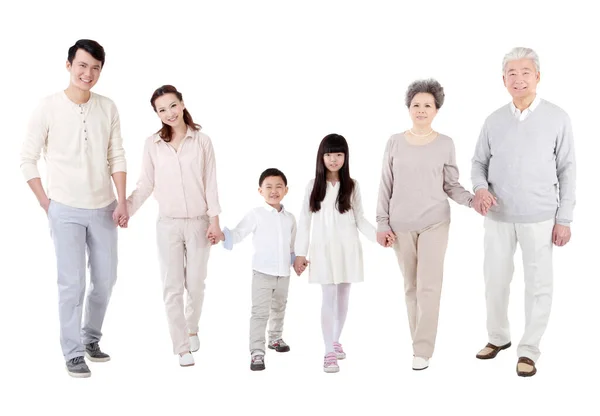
(166, 132)
(332, 143)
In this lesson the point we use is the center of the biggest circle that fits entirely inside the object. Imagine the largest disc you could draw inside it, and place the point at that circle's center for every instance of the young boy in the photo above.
(274, 231)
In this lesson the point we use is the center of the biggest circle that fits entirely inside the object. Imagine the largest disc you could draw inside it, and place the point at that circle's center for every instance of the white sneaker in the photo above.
(194, 343)
(186, 360)
(420, 363)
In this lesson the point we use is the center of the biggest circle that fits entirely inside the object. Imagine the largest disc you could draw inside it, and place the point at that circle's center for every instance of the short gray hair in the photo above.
(521, 53)
(429, 86)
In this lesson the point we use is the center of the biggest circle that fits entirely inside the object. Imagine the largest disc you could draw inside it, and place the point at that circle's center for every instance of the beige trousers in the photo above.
(269, 298)
(421, 258)
(183, 250)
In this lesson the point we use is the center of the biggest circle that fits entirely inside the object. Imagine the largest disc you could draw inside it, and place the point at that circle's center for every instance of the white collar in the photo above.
(536, 101)
(270, 208)
(189, 134)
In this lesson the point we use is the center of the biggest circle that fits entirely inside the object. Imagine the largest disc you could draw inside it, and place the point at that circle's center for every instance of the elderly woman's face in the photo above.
(422, 109)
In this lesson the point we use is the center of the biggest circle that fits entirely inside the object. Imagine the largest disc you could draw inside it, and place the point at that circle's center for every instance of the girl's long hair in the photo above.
(332, 143)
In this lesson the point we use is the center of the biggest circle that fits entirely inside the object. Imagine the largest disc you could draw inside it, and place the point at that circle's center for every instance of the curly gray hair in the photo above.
(429, 86)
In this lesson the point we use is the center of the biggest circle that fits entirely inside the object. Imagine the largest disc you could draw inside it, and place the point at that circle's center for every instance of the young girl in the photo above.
(179, 167)
(334, 206)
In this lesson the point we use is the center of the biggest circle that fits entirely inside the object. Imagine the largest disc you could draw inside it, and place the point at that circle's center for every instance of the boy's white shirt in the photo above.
(274, 233)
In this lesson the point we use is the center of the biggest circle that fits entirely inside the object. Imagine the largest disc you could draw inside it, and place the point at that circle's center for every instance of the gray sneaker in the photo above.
(279, 345)
(76, 367)
(257, 362)
(93, 353)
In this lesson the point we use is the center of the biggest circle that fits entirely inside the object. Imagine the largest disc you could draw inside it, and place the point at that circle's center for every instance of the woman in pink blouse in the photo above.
(179, 167)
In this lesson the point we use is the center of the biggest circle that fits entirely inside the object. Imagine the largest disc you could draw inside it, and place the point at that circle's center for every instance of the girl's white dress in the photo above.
(335, 253)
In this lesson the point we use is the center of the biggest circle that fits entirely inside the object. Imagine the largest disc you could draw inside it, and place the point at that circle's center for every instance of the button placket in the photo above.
(85, 136)
(180, 173)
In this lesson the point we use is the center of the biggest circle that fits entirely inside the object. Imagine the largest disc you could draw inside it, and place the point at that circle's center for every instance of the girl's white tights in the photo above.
(333, 312)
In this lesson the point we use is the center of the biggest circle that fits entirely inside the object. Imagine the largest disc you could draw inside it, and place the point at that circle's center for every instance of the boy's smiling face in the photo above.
(273, 189)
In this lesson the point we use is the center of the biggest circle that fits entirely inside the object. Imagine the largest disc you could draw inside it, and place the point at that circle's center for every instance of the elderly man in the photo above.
(525, 159)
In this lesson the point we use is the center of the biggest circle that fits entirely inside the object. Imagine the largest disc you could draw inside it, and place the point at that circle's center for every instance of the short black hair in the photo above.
(271, 172)
(90, 46)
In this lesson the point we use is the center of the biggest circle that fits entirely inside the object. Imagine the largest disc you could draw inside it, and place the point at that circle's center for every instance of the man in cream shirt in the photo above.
(80, 136)
(525, 159)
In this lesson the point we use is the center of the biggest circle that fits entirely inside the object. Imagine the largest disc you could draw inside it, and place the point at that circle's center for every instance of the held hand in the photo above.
(300, 264)
(121, 215)
(297, 264)
(487, 202)
(124, 221)
(483, 201)
(561, 234)
(386, 238)
(214, 234)
(215, 239)
(390, 239)
(382, 238)
(478, 207)
(302, 267)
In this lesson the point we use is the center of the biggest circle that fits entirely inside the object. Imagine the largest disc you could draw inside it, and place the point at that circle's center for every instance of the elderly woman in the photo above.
(413, 214)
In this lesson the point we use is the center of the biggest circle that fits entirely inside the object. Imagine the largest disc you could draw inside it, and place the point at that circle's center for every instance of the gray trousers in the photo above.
(269, 298)
(75, 231)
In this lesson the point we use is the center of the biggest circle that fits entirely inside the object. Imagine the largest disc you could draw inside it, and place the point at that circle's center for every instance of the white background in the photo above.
(268, 80)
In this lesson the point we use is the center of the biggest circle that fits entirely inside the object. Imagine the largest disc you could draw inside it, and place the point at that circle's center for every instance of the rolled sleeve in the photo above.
(35, 140)
(116, 152)
(210, 178)
(145, 184)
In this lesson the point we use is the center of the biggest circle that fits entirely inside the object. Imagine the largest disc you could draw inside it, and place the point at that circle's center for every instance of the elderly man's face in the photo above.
(521, 78)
